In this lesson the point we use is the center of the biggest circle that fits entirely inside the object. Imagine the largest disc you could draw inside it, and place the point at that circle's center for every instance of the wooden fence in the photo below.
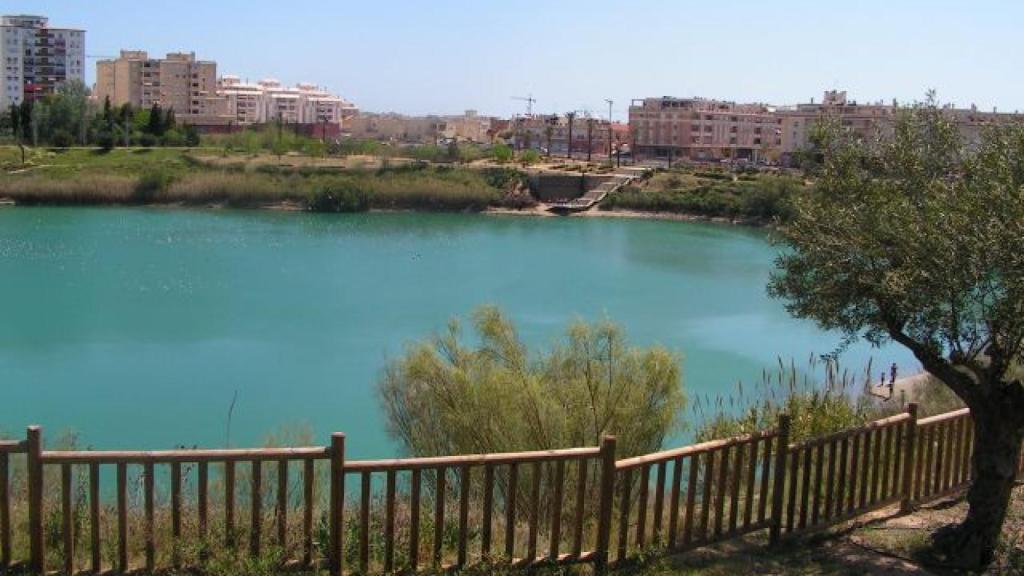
(530, 508)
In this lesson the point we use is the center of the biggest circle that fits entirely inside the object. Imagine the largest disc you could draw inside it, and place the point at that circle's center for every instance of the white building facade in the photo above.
(270, 101)
(37, 59)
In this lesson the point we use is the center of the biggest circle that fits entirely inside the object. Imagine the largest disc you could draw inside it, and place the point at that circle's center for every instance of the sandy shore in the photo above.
(906, 387)
(542, 210)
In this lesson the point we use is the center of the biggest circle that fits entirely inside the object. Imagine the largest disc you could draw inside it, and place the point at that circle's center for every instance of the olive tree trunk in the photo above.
(995, 462)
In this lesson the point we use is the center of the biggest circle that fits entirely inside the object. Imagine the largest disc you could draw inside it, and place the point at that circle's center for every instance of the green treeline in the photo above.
(69, 118)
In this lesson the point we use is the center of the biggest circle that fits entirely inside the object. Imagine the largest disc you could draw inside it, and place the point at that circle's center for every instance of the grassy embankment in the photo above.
(212, 177)
(754, 198)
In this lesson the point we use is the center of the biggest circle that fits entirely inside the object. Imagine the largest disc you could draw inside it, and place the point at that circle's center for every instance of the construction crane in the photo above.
(529, 99)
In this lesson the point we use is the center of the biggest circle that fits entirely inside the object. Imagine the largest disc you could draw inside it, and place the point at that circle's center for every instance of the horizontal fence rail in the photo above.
(314, 508)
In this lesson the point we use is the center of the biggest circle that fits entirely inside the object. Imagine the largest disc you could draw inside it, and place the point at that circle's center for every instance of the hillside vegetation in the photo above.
(185, 176)
(756, 198)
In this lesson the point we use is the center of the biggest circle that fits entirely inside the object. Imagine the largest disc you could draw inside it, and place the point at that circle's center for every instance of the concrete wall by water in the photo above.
(551, 187)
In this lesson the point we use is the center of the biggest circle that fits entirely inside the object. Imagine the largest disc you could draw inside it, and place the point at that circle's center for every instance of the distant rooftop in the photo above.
(29, 21)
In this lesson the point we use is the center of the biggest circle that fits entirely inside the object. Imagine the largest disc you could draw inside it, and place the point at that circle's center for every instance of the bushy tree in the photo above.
(170, 122)
(155, 121)
(339, 197)
(191, 136)
(444, 396)
(529, 157)
(502, 153)
(918, 238)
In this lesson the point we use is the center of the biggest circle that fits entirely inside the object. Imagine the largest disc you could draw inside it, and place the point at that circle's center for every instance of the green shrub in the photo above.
(445, 396)
(528, 157)
(191, 136)
(150, 185)
(504, 178)
(172, 138)
(62, 139)
(341, 197)
(765, 199)
(501, 153)
(105, 140)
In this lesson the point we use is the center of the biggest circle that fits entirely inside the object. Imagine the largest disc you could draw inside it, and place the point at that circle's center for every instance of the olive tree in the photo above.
(444, 396)
(917, 236)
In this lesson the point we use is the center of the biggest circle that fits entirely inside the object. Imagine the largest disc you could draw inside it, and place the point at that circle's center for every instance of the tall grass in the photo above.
(231, 189)
(85, 190)
(419, 188)
(821, 398)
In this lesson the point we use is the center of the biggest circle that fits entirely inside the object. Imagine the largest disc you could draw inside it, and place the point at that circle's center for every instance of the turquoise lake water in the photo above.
(135, 327)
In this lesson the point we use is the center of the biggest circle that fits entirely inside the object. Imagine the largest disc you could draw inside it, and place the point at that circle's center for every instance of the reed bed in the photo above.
(93, 189)
(426, 189)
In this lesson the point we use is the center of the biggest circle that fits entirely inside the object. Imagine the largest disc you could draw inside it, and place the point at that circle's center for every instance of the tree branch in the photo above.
(962, 384)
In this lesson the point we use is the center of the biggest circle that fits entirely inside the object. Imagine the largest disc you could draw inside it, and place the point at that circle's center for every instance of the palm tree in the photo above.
(570, 116)
(549, 130)
(590, 136)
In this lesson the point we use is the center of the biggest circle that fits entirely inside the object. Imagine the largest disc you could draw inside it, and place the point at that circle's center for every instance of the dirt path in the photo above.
(884, 542)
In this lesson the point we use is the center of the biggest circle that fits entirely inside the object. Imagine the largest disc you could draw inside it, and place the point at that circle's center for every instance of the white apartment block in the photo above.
(269, 101)
(37, 59)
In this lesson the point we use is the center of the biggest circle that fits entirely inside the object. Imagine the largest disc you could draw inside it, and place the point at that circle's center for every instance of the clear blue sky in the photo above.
(421, 56)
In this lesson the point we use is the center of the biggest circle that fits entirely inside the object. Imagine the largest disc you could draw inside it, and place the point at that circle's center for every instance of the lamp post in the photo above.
(610, 102)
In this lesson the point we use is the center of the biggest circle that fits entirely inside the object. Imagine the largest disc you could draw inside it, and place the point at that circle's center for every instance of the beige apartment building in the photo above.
(468, 127)
(178, 82)
(796, 123)
(703, 129)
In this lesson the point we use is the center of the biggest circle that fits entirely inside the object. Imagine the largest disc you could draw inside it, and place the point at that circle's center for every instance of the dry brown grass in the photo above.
(85, 190)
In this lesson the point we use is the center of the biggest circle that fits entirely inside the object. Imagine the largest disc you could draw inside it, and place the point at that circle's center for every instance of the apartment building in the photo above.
(703, 129)
(469, 127)
(37, 59)
(246, 103)
(270, 101)
(796, 123)
(178, 81)
(391, 127)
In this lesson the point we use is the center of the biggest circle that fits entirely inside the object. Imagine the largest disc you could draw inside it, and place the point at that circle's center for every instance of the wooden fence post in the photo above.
(779, 486)
(36, 564)
(604, 520)
(907, 490)
(337, 503)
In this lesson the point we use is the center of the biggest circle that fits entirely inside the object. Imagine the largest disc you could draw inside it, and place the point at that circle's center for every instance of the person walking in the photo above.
(892, 375)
